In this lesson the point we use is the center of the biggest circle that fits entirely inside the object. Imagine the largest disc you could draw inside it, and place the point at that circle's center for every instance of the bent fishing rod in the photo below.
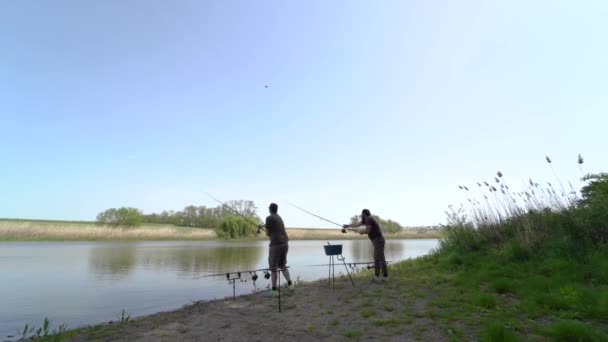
(236, 212)
(343, 226)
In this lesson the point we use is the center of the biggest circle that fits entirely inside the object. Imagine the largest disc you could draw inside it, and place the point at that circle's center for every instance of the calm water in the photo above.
(92, 282)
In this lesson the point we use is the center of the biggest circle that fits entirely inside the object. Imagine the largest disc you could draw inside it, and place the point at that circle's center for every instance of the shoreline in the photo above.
(313, 312)
(34, 230)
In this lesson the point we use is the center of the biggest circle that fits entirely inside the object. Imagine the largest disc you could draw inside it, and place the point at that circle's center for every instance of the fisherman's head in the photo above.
(365, 213)
(273, 208)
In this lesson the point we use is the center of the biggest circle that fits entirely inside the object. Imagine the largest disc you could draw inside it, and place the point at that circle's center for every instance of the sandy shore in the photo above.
(391, 311)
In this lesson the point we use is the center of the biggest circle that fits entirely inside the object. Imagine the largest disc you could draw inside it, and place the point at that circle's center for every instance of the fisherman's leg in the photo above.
(273, 264)
(273, 278)
(383, 264)
(287, 277)
(283, 264)
(377, 258)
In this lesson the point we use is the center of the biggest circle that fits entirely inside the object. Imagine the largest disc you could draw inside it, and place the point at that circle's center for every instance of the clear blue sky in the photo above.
(381, 105)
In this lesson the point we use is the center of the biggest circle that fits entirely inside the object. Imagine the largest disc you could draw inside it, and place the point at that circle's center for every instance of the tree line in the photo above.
(220, 218)
(190, 216)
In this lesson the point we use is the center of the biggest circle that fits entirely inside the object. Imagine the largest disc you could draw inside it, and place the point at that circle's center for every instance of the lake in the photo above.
(81, 283)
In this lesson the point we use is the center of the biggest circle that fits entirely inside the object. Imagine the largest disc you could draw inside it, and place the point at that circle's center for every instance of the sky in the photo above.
(335, 106)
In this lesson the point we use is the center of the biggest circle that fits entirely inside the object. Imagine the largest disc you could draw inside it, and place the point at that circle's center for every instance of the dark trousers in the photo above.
(379, 259)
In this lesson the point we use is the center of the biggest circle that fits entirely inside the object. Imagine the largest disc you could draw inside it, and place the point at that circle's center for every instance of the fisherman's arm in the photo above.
(353, 225)
(367, 230)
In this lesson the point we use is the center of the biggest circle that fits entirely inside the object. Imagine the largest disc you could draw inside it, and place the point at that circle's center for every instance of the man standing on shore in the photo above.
(279, 245)
(372, 229)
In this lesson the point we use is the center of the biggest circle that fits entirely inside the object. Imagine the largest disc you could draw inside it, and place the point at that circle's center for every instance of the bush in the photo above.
(233, 227)
(594, 207)
(534, 221)
(123, 216)
(515, 251)
(461, 238)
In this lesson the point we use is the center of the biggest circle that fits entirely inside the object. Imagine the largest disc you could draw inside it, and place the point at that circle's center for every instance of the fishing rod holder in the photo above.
(237, 276)
(335, 251)
(232, 279)
(355, 266)
(370, 265)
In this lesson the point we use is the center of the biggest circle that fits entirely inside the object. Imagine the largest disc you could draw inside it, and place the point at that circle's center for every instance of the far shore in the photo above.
(45, 230)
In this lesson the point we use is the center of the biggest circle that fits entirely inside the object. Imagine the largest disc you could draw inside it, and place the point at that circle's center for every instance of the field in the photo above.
(42, 230)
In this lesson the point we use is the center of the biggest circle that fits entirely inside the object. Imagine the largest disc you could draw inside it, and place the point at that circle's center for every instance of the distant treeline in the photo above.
(191, 216)
(205, 217)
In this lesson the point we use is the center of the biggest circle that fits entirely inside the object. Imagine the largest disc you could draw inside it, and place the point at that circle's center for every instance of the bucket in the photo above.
(333, 249)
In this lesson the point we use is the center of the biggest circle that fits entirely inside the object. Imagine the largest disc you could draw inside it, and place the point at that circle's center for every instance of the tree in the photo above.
(233, 227)
(387, 226)
(124, 216)
(203, 217)
(189, 217)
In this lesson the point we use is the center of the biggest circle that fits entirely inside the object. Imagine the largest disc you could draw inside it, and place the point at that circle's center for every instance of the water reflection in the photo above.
(118, 261)
(113, 262)
(363, 250)
(195, 259)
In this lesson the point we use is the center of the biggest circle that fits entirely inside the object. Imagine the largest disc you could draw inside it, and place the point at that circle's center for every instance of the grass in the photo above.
(531, 303)
(352, 333)
(497, 332)
(388, 322)
(485, 301)
(25, 230)
(502, 285)
(366, 313)
(533, 272)
(574, 331)
(46, 230)
(44, 333)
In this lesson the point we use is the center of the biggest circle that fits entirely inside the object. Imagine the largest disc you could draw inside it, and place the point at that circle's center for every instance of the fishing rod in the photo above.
(343, 226)
(353, 265)
(253, 273)
(236, 212)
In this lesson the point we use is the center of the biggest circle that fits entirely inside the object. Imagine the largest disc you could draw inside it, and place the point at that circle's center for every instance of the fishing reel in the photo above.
(233, 277)
(259, 230)
(255, 276)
